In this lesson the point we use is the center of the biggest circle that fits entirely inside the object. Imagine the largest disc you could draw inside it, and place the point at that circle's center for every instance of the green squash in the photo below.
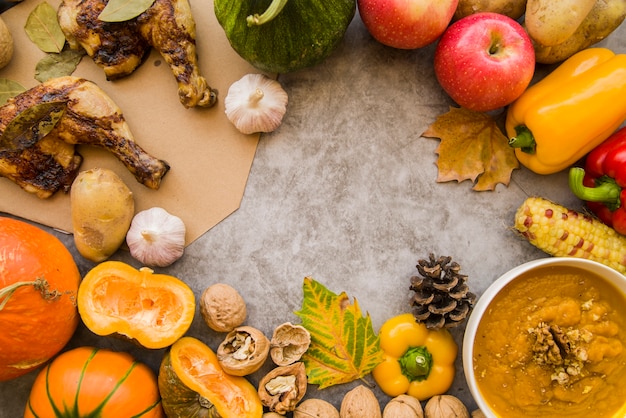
(280, 36)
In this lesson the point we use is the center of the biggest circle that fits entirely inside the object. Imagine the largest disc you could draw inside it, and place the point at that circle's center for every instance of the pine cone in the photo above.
(442, 298)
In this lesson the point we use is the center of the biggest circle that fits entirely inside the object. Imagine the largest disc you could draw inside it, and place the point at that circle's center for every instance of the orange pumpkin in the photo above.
(193, 384)
(154, 310)
(38, 285)
(92, 382)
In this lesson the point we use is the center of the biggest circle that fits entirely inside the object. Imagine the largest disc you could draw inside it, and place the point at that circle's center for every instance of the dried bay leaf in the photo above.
(8, 89)
(43, 29)
(123, 10)
(58, 65)
(32, 124)
(344, 346)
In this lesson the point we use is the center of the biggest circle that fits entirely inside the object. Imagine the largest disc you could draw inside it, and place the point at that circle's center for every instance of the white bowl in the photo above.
(611, 275)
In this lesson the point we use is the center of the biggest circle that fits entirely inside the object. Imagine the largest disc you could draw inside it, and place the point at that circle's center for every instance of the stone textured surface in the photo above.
(345, 192)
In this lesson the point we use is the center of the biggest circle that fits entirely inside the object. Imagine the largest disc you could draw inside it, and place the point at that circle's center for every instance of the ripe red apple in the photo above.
(406, 24)
(484, 61)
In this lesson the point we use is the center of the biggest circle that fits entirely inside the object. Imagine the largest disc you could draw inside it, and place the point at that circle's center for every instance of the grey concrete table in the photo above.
(345, 192)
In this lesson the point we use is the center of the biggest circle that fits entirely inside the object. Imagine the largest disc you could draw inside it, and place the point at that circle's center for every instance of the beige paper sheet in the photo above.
(210, 160)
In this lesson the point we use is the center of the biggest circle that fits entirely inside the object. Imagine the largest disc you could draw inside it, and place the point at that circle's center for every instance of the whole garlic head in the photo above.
(156, 237)
(255, 103)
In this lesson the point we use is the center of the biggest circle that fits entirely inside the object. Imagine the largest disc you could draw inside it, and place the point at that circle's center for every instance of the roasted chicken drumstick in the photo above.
(91, 117)
(119, 47)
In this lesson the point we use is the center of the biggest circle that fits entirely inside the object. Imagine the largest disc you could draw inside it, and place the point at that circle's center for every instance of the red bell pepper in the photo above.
(602, 183)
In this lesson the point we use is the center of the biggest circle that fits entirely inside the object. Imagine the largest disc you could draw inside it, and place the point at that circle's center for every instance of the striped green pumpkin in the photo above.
(88, 382)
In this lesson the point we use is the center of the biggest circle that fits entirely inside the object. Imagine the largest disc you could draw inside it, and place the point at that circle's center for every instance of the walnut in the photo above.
(315, 408)
(360, 402)
(283, 387)
(243, 351)
(403, 406)
(478, 414)
(222, 307)
(289, 342)
(561, 350)
(444, 406)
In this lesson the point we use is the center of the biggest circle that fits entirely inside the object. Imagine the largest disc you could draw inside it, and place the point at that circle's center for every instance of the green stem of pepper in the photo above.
(270, 13)
(416, 363)
(606, 190)
(524, 140)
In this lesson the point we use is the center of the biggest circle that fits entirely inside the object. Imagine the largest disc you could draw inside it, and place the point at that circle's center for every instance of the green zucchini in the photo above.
(280, 36)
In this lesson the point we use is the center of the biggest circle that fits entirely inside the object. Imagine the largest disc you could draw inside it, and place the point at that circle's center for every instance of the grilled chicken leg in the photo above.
(119, 47)
(91, 118)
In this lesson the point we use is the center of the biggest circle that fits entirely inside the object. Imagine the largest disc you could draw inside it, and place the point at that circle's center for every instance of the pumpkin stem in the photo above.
(272, 11)
(40, 284)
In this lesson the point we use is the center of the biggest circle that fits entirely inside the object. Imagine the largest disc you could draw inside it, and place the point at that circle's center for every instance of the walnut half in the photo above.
(289, 342)
(243, 351)
(283, 387)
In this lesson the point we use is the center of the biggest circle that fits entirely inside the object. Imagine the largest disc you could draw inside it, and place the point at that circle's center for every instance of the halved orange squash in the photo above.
(154, 310)
(192, 384)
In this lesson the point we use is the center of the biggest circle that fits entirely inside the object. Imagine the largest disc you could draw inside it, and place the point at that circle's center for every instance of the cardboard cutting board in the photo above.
(210, 160)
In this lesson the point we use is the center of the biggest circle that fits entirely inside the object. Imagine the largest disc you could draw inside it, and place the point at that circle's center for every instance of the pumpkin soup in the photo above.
(553, 342)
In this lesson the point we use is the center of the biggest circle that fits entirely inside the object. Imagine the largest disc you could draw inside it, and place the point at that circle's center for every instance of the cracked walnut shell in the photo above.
(283, 387)
(289, 342)
(222, 307)
(243, 351)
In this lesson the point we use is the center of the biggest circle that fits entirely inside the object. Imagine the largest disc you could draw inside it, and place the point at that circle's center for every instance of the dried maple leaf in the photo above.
(472, 147)
(344, 346)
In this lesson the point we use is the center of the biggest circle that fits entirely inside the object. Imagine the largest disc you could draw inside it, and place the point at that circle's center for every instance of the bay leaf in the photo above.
(32, 124)
(58, 65)
(43, 29)
(123, 10)
(8, 89)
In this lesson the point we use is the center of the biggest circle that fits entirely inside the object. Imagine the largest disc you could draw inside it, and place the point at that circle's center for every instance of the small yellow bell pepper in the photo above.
(417, 361)
(562, 117)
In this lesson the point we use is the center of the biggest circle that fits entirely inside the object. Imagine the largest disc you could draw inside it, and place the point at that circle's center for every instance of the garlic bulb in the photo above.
(156, 237)
(255, 103)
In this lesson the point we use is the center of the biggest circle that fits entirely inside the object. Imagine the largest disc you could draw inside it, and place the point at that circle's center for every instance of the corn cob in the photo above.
(562, 232)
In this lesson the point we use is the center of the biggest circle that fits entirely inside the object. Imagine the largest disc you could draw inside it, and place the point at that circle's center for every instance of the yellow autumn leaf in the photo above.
(344, 346)
(473, 148)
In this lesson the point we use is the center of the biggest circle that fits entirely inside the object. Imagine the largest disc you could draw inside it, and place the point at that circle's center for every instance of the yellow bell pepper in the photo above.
(573, 109)
(417, 361)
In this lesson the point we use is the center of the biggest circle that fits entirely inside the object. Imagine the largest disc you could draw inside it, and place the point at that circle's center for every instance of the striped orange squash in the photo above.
(95, 383)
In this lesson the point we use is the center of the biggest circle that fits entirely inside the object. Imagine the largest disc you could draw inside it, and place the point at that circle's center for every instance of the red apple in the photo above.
(406, 24)
(484, 61)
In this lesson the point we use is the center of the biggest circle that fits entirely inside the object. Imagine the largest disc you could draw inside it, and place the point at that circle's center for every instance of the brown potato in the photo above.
(604, 18)
(551, 22)
(102, 208)
(511, 8)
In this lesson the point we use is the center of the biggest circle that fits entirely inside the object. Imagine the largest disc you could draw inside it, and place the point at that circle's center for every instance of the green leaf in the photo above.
(123, 10)
(43, 29)
(344, 346)
(58, 65)
(8, 89)
(32, 124)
